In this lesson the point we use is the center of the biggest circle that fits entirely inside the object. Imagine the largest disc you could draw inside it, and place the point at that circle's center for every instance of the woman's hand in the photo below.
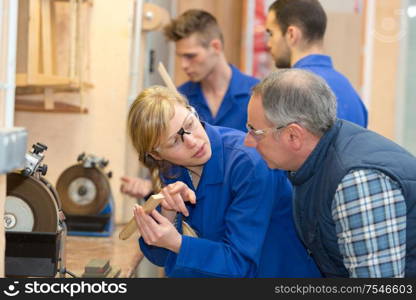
(176, 194)
(157, 230)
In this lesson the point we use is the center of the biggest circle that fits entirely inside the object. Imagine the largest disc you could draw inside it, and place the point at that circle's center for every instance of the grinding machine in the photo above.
(33, 220)
(87, 201)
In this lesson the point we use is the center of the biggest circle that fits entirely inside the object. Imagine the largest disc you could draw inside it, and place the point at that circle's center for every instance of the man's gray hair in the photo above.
(298, 96)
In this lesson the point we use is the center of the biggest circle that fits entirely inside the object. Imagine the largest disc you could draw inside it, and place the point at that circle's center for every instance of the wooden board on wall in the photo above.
(22, 39)
(343, 42)
(385, 67)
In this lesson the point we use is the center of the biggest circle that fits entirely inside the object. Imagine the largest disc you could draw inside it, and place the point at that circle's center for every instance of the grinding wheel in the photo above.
(30, 206)
(83, 191)
(53, 191)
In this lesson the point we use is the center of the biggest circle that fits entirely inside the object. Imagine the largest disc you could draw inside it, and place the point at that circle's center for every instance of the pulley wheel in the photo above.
(83, 191)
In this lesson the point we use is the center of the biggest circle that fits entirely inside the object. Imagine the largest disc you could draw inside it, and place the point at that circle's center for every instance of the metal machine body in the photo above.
(33, 220)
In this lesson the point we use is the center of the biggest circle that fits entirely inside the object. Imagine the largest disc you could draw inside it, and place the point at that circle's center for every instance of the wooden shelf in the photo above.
(43, 25)
(39, 106)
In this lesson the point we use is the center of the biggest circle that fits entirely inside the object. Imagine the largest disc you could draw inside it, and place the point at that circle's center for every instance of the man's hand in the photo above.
(135, 187)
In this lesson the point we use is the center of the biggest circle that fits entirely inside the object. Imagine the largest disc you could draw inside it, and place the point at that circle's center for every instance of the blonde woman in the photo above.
(238, 207)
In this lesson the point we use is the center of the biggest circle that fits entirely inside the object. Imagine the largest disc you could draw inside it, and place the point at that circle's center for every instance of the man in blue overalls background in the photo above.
(296, 41)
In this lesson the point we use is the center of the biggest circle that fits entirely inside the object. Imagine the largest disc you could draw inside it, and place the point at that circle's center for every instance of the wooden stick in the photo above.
(49, 102)
(148, 207)
(166, 78)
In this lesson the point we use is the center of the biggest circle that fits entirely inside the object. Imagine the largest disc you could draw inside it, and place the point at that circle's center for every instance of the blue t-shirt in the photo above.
(243, 217)
(233, 109)
(349, 104)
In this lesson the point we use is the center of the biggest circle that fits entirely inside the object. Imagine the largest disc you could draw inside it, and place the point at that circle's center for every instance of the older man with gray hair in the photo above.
(354, 190)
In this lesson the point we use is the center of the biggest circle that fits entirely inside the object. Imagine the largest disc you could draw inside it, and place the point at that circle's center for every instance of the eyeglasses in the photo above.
(189, 124)
(259, 134)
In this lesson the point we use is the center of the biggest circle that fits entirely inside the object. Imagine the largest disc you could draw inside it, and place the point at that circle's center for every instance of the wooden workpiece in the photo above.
(148, 207)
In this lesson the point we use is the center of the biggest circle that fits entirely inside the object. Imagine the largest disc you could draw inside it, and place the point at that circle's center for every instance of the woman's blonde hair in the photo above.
(148, 121)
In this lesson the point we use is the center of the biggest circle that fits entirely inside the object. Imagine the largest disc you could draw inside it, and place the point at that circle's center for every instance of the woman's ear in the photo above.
(154, 155)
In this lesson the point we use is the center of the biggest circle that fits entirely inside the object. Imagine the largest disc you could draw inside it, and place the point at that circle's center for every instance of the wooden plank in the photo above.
(45, 80)
(166, 78)
(347, 25)
(243, 50)
(72, 39)
(232, 34)
(387, 43)
(34, 39)
(46, 37)
(79, 53)
(53, 39)
(21, 79)
(148, 207)
(22, 37)
(38, 106)
(56, 81)
(48, 99)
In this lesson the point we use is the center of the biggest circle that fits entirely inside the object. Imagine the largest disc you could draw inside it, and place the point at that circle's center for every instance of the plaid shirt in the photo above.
(369, 211)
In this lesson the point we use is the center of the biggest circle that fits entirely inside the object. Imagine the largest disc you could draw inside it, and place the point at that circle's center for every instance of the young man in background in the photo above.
(296, 31)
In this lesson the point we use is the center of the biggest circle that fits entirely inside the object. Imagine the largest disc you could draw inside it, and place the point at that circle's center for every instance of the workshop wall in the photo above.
(102, 131)
(386, 36)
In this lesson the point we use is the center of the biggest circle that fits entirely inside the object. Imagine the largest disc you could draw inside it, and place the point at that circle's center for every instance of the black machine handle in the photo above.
(39, 148)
